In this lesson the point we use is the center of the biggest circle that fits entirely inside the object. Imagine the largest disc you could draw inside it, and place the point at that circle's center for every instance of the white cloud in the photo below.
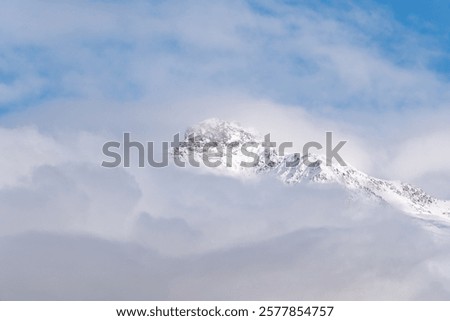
(25, 149)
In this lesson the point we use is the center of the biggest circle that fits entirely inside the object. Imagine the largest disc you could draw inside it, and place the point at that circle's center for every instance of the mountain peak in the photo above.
(220, 131)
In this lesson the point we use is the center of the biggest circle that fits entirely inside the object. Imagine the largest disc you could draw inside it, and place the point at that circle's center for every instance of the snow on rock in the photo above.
(222, 143)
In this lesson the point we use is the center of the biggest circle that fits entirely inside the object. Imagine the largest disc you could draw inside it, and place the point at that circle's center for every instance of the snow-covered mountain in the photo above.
(222, 142)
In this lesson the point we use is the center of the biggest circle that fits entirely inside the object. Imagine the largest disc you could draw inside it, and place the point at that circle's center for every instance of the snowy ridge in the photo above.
(217, 135)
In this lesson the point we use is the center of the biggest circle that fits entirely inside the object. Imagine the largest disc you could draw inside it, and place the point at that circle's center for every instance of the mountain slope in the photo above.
(222, 142)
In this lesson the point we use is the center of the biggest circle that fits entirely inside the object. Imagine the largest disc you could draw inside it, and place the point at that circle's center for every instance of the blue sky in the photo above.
(429, 18)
